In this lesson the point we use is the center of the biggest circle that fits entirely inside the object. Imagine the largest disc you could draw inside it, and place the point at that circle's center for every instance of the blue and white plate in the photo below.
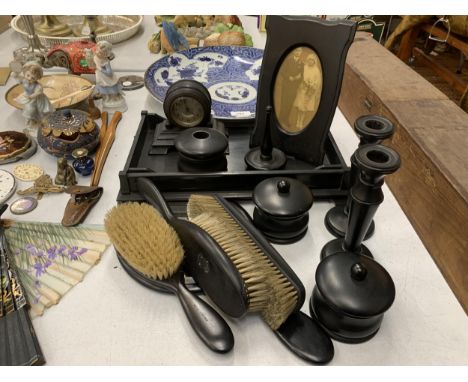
(230, 73)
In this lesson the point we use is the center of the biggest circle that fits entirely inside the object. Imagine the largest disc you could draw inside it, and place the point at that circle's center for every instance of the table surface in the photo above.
(109, 319)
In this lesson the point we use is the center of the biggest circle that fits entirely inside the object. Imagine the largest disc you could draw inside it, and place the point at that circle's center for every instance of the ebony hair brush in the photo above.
(151, 253)
(272, 288)
(18, 342)
(203, 256)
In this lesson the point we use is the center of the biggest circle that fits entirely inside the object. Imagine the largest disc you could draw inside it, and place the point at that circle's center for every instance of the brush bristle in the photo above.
(269, 292)
(144, 239)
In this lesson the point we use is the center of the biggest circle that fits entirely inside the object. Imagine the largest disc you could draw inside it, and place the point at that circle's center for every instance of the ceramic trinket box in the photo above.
(66, 130)
(72, 55)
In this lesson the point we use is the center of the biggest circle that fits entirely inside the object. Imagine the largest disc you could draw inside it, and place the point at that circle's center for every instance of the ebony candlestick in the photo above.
(373, 162)
(370, 129)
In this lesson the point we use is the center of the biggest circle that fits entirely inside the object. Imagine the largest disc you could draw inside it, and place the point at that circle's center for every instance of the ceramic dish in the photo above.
(123, 27)
(56, 87)
(13, 143)
(230, 73)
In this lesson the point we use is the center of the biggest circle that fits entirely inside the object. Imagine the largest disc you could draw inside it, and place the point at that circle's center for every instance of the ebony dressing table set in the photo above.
(283, 161)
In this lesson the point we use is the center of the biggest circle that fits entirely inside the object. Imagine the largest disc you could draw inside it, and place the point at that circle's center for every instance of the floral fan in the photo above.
(51, 259)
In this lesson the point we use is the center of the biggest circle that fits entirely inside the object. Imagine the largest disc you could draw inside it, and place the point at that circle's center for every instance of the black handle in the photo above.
(154, 197)
(207, 323)
(305, 338)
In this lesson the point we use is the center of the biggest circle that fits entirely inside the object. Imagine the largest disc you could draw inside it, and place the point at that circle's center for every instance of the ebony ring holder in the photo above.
(373, 162)
(266, 157)
(370, 129)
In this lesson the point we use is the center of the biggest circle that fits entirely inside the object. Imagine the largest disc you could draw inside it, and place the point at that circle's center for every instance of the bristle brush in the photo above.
(204, 259)
(151, 253)
(18, 342)
(273, 289)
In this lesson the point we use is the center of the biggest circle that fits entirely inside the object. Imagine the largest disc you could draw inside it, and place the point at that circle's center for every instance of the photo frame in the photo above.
(300, 79)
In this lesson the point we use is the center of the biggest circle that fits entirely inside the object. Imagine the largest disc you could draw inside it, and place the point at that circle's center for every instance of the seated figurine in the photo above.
(65, 173)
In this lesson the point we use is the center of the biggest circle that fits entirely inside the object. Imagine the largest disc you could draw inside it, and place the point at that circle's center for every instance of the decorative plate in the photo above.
(27, 172)
(63, 90)
(230, 73)
(7, 185)
(13, 143)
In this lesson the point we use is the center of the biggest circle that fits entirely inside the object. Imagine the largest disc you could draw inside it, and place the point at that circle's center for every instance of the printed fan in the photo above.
(50, 259)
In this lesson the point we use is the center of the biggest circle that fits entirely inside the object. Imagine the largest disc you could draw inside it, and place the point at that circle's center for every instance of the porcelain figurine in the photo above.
(107, 83)
(65, 173)
(35, 103)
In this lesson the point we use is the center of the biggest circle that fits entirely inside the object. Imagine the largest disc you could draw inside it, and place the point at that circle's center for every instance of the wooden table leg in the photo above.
(407, 43)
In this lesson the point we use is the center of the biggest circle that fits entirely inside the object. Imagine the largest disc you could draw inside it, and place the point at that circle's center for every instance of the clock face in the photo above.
(187, 111)
(7, 185)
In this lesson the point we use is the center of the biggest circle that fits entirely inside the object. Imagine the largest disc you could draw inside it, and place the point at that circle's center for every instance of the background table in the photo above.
(109, 319)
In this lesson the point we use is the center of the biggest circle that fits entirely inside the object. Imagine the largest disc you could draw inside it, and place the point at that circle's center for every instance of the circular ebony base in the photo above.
(339, 328)
(284, 240)
(337, 245)
(254, 160)
(336, 222)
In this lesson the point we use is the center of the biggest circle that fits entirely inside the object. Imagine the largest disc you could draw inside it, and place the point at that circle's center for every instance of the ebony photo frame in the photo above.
(330, 40)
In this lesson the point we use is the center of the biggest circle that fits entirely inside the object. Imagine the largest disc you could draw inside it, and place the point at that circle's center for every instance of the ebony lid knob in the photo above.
(355, 285)
(282, 197)
(283, 186)
(201, 143)
(373, 128)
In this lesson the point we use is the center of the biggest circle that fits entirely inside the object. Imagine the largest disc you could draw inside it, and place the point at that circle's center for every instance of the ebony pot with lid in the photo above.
(281, 209)
(351, 295)
(201, 149)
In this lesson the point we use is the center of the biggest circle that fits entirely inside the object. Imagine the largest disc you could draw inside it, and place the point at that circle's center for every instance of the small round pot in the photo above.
(67, 130)
(281, 209)
(351, 296)
(201, 149)
(83, 164)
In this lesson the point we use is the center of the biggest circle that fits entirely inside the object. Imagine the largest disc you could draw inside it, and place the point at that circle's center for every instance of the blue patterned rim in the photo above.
(230, 73)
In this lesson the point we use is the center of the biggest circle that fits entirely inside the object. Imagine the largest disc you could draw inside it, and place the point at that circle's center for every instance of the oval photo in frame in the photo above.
(298, 89)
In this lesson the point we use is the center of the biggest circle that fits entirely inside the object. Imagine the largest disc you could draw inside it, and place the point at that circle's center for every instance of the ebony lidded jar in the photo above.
(351, 296)
(281, 209)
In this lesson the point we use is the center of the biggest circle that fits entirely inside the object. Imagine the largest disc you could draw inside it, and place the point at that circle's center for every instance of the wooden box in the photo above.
(4, 23)
(432, 139)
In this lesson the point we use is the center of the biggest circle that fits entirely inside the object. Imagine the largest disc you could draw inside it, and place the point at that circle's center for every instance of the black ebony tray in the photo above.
(153, 156)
